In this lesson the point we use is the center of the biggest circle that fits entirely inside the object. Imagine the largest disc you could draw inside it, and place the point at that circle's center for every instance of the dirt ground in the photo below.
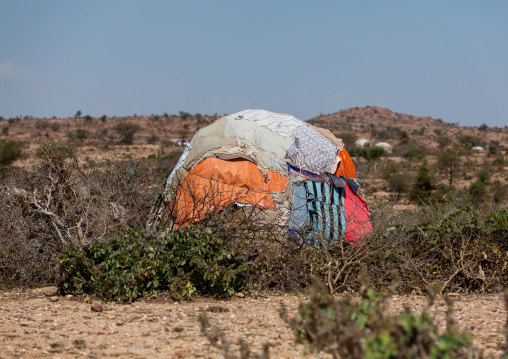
(38, 324)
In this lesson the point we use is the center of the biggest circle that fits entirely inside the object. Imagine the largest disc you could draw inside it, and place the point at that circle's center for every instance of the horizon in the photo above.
(441, 60)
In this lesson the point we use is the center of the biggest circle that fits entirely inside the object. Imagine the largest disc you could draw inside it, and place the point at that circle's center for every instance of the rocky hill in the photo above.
(373, 123)
(380, 124)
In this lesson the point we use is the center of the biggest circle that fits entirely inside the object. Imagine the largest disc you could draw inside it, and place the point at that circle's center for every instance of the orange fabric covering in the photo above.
(215, 183)
(346, 167)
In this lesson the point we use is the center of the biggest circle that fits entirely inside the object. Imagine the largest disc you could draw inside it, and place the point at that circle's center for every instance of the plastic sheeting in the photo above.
(215, 183)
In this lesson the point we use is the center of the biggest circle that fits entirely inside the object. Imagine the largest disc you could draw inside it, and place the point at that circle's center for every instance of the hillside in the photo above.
(373, 123)
(380, 124)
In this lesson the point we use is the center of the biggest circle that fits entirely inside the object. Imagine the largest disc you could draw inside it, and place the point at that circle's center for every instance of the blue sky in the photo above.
(445, 59)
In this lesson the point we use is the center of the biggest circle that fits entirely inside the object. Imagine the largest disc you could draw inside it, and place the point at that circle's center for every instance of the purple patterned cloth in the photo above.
(312, 151)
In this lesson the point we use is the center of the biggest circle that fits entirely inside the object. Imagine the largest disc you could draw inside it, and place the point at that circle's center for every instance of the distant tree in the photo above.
(126, 131)
(492, 150)
(373, 153)
(5, 131)
(81, 135)
(78, 114)
(103, 118)
(397, 179)
(449, 161)
(477, 190)
(152, 139)
(484, 176)
(10, 151)
(443, 142)
(422, 190)
(468, 140)
(415, 153)
(184, 115)
(403, 137)
(483, 127)
(88, 118)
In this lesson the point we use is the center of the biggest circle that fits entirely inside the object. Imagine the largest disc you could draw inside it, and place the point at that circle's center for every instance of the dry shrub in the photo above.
(55, 202)
(348, 328)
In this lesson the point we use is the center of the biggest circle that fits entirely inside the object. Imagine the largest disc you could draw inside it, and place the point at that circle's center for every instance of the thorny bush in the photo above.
(55, 202)
(187, 261)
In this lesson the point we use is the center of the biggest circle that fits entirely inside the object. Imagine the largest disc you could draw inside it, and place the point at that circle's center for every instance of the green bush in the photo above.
(370, 153)
(126, 131)
(187, 261)
(10, 151)
(54, 149)
(477, 189)
(81, 134)
(415, 154)
(484, 176)
(498, 162)
(361, 329)
(422, 190)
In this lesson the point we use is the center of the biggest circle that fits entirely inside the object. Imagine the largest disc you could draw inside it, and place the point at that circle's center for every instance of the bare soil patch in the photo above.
(36, 324)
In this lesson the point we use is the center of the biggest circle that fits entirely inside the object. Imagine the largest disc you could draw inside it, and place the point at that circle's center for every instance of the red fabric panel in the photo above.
(358, 224)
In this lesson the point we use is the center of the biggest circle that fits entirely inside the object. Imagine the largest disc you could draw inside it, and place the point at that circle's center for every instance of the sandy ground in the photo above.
(37, 324)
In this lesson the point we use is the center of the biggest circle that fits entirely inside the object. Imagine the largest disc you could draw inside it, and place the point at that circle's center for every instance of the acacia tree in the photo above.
(449, 161)
(126, 131)
(443, 142)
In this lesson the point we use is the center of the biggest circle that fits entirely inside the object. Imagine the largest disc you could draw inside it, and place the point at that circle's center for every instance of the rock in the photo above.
(240, 294)
(47, 291)
(54, 299)
(26, 323)
(79, 343)
(96, 307)
(59, 346)
(69, 296)
(275, 343)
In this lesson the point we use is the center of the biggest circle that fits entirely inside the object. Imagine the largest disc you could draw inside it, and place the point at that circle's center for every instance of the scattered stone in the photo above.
(58, 346)
(454, 295)
(240, 294)
(54, 299)
(217, 309)
(79, 343)
(96, 307)
(275, 343)
(26, 323)
(69, 296)
(47, 291)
